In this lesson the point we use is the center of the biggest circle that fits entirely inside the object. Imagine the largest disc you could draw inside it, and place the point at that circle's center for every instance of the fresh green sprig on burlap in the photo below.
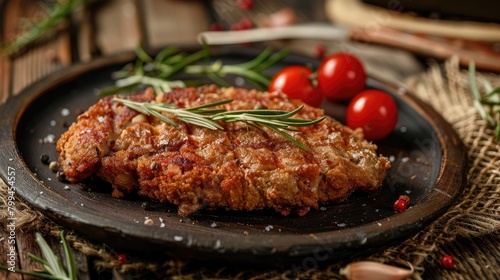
(488, 104)
(53, 269)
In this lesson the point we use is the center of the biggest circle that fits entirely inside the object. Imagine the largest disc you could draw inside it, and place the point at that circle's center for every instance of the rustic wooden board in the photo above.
(25, 245)
(117, 26)
(35, 63)
(5, 249)
(174, 22)
(4, 78)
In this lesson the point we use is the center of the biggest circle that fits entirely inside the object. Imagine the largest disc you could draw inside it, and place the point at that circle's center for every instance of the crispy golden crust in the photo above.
(240, 167)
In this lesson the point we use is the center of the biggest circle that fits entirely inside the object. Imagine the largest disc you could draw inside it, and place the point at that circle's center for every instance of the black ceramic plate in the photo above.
(428, 165)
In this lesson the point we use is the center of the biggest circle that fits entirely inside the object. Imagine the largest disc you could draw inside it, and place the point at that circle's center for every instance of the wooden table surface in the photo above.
(106, 28)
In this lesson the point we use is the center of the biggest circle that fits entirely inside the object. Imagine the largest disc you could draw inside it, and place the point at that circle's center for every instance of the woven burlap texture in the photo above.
(446, 88)
(476, 214)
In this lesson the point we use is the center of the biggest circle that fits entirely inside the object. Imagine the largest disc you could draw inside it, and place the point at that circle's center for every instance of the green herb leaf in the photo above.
(56, 15)
(50, 262)
(53, 266)
(251, 70)
(142, 55)
(70, 261)
(491, 99)
(157, 72)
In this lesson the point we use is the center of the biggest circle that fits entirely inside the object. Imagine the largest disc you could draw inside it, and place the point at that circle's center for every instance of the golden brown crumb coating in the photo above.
(239, 167)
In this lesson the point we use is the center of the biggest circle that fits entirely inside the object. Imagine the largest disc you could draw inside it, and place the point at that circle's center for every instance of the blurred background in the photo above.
(394, 38)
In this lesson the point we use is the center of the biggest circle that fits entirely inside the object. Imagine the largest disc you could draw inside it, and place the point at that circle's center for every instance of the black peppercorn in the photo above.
(146, 205)
(44, 158)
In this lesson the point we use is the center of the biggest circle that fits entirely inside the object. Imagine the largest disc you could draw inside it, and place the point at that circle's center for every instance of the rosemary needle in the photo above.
(207, 116)
(487, 105)
(53, 268)
(158, 72)
(57, 14)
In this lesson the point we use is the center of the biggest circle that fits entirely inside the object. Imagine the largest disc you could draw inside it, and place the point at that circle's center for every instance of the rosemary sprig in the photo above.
(207, 116)
(157, 72)
(251, 70)
(53, 269)
(153, 72)
(57, 14)
(488, 105)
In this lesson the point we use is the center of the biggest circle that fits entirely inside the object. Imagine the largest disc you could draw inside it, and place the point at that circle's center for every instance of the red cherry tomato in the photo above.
(341, 76)
(295, 81)
(374, 111)
(245, 4)
(242, 24)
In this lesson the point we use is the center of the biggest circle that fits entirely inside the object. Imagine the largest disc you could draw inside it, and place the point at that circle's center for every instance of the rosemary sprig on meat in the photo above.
(488, 105)
(208, 114)
(158, 72)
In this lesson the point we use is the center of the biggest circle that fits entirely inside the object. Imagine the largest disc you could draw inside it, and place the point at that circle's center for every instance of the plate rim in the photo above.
(454, 157)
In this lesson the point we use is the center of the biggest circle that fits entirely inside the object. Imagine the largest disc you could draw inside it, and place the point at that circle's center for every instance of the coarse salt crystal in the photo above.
(178, 238)
(239, 81)
(65, 112)
(49, 138)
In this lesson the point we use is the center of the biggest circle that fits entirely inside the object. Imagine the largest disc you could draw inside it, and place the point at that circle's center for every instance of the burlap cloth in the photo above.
(469, 230)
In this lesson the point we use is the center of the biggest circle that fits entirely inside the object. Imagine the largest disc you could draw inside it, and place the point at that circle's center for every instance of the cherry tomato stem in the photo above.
(297, 82)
